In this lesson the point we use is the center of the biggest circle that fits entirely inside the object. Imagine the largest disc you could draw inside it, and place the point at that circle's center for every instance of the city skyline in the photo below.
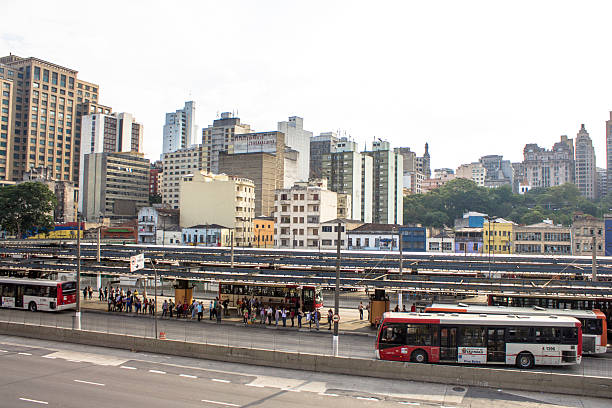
(445, 83)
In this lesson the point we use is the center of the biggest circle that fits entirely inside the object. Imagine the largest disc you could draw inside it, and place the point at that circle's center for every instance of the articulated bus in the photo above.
(523, 341)
(309, 297)
(37, 294)
(594, 325)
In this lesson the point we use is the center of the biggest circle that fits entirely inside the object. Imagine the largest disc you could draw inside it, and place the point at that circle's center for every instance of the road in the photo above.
(42, 373)
(252, 336)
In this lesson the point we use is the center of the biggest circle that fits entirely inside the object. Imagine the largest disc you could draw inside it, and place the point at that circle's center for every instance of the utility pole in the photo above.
(400, 299)
(337, 293)
(594, 252)
(232, 250)
(155, 305)
(76, 320)
(489, 246)
(98, 248)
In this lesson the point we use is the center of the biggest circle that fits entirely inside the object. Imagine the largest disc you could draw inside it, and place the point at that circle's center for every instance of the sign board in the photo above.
(8, 302)
(474, 355)
(136, 262)
(336, 318)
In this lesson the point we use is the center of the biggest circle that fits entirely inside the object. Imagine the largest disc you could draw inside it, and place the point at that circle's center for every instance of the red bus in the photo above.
(37, 294)
(523, 341)
(309, 297)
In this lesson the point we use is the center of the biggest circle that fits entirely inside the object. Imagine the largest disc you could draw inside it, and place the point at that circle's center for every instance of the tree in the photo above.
(26, 206)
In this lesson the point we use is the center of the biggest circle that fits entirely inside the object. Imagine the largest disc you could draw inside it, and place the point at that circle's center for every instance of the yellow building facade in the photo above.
(497, 236)
(263, 232)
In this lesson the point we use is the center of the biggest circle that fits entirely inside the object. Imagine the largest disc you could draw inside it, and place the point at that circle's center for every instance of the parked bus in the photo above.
(594, 325)
(37, 294)
(523, 341)
(307, 297)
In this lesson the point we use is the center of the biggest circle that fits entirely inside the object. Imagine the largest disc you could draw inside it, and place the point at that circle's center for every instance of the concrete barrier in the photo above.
(445, 374)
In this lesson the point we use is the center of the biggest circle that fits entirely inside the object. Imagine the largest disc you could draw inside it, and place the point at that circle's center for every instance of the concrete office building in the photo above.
(298, 212)
(547, 168)
(586, 175)
(321, 145)
(298, 139)
(110, 133)
(343, 171)
(387, 181)
(176, 165)
(180, 129)
(115, 185)
(219, 137)
(472, 171)
(8, 82)
(423, 164)
(47, 101)
(584, 228)
(263, 158)
(328, 236)
(542, 238)
(219, 199)
(499, 172)
(602, 182)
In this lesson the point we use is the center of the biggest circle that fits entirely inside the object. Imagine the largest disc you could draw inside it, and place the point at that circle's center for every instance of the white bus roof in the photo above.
(44, 282)
(482, 319)
(505, 310)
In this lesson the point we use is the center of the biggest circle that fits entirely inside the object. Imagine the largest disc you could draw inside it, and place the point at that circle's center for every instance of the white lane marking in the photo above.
(328, 395)
(89, 382)
(368, 399)
(187, 376)
(74, 361)
(49, 357)
(227, 404)
(128, 367)
(3, 351)
(255, 385)
(409, 403)
(34, 401)
(25, 354)
(157, 372)
(219, 380)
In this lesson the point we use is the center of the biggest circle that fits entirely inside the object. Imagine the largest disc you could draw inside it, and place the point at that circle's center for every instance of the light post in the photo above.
(337, 294)
(400, 300)
(155, 293)
(76, 320)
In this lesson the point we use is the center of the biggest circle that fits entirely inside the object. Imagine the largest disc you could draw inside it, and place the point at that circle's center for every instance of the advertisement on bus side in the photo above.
(472, 355)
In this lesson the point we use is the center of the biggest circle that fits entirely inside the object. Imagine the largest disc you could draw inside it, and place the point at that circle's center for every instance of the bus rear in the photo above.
(66, 296)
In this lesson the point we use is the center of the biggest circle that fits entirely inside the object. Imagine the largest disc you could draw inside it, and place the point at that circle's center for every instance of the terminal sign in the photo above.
(136, 262)
(474, 355)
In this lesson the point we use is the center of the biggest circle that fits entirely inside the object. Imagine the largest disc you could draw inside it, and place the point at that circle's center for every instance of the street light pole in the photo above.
(76, 321)
(594, 254)
(400, 299)
(155, 304)
(337, 293)
(232, 250)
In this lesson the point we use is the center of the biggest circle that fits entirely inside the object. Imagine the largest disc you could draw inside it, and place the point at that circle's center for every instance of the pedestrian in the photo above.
(299, 316)
(171, 307)
(200, 311)
(152, 307)
(110, 302)
(165, 309)
(211, 311)
(397, 309)
(262, 314)
(360, 311)
(90, 290)
(100, 295)
(292, 314)
(105, 293)
(317, 316)
(284, 317)
(269, 314)
(276, 315)
(85, 293)
(413, 308)
(194, 310)
(179, 309)
(309, 319)
(330, 315)
(368, 310)
(404, 308)
(219, 311)
(245, 316)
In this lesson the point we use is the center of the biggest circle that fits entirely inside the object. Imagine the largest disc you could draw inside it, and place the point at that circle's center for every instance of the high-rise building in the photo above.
(155, 173)
(343, 171)
(115, 185)
(47, 102)
(298, 139)
(219, 137)
(180, 129)
(8, 82)
(602, 182)
(387, 180)
(499, 171)
(321, 145)
(609, 152)
(423, 164)
(548, 168)
(586, 175)
(472, 171)
(110, 133)
(177, 165)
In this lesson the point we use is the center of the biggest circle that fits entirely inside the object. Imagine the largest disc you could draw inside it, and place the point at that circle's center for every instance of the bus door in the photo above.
(496, 345)
(19, 296)
(308, 297)
(448, 343)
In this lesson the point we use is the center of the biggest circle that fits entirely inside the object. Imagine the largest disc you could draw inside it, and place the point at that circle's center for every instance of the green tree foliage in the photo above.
(26, 206)
(443, 205)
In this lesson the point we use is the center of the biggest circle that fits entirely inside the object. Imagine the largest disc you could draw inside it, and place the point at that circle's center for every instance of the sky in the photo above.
(471, 78)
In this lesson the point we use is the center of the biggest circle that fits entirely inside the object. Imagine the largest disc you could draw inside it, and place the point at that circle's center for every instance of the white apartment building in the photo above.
(180, 129)
(108, 133)
(219, 199)
(472, 171)
(388, 184)
(298, 139)
(219, 137)
(298, 212)
(328, 236)
(176, 165)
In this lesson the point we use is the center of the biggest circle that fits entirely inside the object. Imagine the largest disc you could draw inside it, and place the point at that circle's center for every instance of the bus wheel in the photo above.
(418, 356)
(524, 360)
(32, 307)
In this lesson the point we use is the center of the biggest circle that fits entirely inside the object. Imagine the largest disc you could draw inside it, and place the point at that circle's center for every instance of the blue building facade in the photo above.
(414, 239)
(608, 234)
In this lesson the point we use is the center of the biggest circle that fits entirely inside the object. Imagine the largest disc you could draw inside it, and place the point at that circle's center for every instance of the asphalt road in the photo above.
(252, 336)
(38, 373)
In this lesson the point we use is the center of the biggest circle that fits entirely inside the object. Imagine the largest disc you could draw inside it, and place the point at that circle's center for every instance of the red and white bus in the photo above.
(309, 297)
(594, 325)
(37, 294)
(523, 341)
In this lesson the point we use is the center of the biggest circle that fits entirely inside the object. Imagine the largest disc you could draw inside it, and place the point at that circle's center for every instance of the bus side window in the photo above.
(393, 335)
(473, 336)
(226, 289)
(518, 335)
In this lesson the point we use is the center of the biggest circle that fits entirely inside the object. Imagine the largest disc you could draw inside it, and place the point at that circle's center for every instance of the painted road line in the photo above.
(329, 395)
(227, 404)
(50, 357)
(3, 351)
(157, 372)
(220, 380)
(187, 376)
(255, 385)
(34, 401)
(409, 403)
(128, 367)
(25, 354)
(368, 399)
(89, 382)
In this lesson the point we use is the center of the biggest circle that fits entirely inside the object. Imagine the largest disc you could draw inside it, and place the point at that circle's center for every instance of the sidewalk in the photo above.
(349, 319)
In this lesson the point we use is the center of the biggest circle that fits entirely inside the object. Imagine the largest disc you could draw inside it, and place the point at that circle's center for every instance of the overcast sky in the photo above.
(469, 77)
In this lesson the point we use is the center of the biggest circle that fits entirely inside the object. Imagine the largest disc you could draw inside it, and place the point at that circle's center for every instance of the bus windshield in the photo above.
(68, 287)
